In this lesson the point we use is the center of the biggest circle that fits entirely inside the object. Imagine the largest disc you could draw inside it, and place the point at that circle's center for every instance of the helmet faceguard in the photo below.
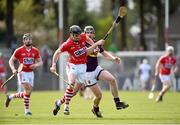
(27, 42)
(29, 35)
(89, 29)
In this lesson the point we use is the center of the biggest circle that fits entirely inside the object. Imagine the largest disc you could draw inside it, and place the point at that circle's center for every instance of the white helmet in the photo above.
(89, 29)
(170, 48)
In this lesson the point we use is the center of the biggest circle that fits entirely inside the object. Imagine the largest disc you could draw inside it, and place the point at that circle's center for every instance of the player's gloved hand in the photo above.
(96, 50)
(156, 74)
(14, 71)
(52, 69)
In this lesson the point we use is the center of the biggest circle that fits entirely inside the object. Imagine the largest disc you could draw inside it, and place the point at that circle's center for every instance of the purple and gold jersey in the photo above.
(92, 61)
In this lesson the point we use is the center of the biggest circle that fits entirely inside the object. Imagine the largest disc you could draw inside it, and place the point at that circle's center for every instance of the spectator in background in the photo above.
(13, 45)
(2, 73)
(144, 73)
(45, 58)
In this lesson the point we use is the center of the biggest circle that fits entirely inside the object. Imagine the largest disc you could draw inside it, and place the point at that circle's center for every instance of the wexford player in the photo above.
(95, 72)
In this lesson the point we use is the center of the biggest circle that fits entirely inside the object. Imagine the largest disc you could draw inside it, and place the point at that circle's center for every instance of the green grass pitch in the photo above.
(141, 110)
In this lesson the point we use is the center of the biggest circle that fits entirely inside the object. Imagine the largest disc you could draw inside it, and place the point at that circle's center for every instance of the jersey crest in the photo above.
(80, 52)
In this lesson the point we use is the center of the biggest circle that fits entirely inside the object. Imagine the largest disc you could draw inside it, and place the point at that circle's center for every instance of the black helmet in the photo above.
(75, 29)
(89, 29)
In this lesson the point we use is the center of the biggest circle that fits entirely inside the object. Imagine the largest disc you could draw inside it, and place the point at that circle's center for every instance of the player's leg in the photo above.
(27, 93)
(88, 94)
(98, 95)
(27, 82)
(76, 88)
(18, 94)
(107, 76)
(143, 84)
(165, 88)
(165, 79)
(14, 95)
(75, 75)
(66, 98)
(68, 94)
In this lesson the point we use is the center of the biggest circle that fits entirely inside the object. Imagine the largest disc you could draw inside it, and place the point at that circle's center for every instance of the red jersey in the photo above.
(77, 51)
(167, 63)
(2, 66)
(27, 57)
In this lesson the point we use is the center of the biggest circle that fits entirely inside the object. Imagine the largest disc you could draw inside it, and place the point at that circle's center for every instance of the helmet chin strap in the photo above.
(28, 45)
(170, 54)
(75, 40)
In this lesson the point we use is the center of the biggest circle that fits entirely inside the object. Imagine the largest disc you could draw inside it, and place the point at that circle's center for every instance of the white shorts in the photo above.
(78, 70)
(91, 78)
(26, 77)
(2, 75)
(164, 78)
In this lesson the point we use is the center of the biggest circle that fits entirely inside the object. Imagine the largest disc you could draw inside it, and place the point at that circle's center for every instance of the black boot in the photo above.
(120, 105)
(96, 112)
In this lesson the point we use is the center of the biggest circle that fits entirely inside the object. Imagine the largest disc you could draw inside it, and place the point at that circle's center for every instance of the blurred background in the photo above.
(150, 25)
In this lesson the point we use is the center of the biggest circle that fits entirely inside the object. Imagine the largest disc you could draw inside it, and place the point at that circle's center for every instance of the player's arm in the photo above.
(92, 47)
(157, 66)
(38, 61)
(109, 56)
(175, 68)
(37, 64)
(11, 64)
(55, 59)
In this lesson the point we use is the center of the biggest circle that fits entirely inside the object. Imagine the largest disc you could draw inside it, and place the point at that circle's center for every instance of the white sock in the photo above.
(11, 96)
(27, 110)
(66, 106)
(59, 102)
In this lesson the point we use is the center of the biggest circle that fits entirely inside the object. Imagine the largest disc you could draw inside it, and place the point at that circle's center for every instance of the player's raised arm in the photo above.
(91, 48)
(157, 66)
(175, 68)
(109, 56)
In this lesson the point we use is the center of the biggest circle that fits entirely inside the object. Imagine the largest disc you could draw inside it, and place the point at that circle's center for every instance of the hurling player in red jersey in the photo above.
(95, 72)
(163, 67)
(76, 65)
(29, 59)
